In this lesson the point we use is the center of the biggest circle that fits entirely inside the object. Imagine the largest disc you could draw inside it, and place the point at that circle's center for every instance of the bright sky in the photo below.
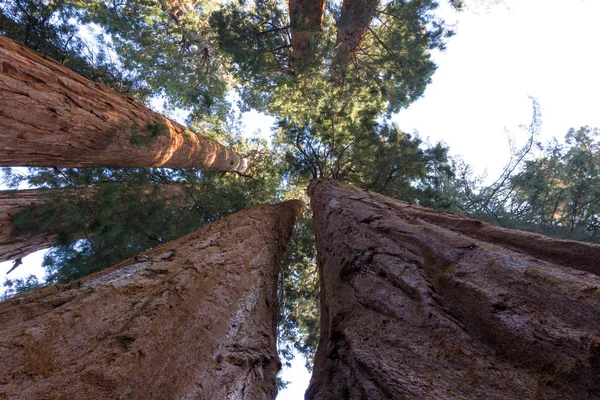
(547, 49)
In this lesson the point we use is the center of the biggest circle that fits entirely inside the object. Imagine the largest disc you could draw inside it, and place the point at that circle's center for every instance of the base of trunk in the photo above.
(193, 318)
(414, 306)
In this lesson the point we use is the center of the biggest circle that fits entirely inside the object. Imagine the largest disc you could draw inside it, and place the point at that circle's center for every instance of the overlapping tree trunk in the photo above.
(355, 17)
(193, 318)
(51, 116)
(15, 245)
(305, 27)
(422, 304)
(12, 245)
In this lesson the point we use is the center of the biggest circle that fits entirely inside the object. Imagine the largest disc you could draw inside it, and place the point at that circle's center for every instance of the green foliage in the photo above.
(382, 159)
(556, 194)
(298, 322)
(51, 28)
(255, 36)
(392, 65)
(17, 286)
(394, 56)
(169, 46)
(146, 136)
(559, 193)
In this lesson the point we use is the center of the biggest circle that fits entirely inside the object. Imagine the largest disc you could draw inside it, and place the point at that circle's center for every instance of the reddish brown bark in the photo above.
(422, 304)
(305, 27)
(51, 116)
(178, 8)
(193, 318)
(14, 245)
(355, 17)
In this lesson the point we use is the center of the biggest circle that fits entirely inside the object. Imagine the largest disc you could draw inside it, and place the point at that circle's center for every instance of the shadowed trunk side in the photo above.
(355, 17)
(417, 304)
(192, 318)
(305, 27)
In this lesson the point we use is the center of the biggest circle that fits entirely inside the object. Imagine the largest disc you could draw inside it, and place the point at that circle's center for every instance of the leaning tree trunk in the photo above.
(193, 318)
(12, 245)
(355, 17)
(15, 245)
(51, 116)
(423, 304)
(305, 27)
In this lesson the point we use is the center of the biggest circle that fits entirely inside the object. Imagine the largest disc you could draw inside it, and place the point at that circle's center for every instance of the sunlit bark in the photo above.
(52, 117)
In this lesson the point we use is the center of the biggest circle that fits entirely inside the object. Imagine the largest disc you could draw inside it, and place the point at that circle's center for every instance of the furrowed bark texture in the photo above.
(423, 304)
(190, 319)
(355, 17)
(51, 116)
(14, 245)
(305, 27)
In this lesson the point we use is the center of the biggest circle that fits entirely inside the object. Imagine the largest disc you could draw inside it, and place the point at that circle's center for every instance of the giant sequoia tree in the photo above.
(194, 318)
(417, 303)
(331, 74)
(35, 219)
(79, 123)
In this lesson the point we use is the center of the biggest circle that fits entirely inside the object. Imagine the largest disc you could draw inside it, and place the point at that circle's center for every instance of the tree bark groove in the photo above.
(51, 116)
(423, 304)
(193, 318)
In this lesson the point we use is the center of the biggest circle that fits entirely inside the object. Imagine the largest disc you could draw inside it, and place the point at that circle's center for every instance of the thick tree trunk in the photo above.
(305, 27)
(190, 319)
(51, 116)
(423, 304)
(15, 246)
(355, 17)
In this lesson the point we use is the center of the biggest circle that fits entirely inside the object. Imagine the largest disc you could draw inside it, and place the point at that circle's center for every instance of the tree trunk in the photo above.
(423, 304)
(51, 116)
(355, 17)
(305, 28)
(14, 245)
(192, 318)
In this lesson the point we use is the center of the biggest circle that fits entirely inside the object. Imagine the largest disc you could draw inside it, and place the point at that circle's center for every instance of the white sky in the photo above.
(547, 49)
